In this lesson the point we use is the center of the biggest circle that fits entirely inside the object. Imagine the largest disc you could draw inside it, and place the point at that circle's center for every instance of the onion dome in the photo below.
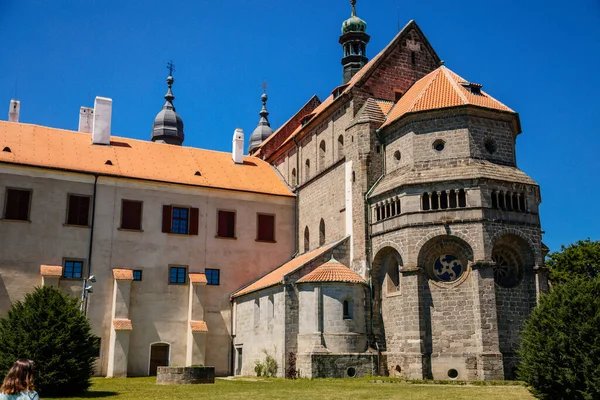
(354, 24)
(263, 130)
(168, 125)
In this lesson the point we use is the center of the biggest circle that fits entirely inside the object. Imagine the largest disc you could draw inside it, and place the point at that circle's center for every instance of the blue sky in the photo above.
(538, 57)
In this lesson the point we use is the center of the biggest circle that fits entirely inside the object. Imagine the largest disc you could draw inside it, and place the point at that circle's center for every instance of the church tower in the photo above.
(168, 125)
(263, 130)
(354, 41)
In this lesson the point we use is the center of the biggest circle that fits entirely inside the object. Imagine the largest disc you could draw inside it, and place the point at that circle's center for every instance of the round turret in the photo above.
(168, 125)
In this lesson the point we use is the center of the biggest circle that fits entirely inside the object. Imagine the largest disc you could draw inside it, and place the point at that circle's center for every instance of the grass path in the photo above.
(323, 389)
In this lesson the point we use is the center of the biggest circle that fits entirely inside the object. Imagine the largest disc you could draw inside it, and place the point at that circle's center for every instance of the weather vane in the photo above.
(264, 85)
(171, 67)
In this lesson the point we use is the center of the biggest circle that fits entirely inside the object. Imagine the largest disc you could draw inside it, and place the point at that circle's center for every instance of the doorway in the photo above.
(238, 370)
(159, 357)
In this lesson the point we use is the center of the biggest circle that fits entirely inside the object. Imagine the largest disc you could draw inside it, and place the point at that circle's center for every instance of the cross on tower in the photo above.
(171, 67)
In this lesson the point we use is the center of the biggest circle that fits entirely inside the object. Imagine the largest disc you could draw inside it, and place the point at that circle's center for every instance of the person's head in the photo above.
(20, 377)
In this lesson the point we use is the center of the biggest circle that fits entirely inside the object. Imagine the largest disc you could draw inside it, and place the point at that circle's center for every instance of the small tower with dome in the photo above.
(354, 41)
(168, 125)
(263, 130)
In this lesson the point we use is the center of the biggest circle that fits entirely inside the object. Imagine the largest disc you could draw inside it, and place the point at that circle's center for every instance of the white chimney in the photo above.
(102, 118)
(238, 146)
(86, 119)
(14, 110)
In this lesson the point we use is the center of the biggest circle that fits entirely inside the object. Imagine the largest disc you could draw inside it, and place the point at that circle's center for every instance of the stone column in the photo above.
(197, 329)
(489, 358)
(51, 274)
(121, 328)
(541, 281)
(415, 360)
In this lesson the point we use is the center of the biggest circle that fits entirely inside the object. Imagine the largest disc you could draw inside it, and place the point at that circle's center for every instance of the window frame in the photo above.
(209, 280)
(141, 216)
(219, 210)
(141, 272)
(74, 260)
(185, 273)
(89, 212)
(188, 210)
(6, 190)
(274, 238)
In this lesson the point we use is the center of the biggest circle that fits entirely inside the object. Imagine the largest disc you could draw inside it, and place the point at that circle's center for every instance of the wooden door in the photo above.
(159, 357)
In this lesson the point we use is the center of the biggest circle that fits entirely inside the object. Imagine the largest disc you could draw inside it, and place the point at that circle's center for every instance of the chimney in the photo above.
(86, 119)
(238, 146)
(102, 117)
(14, 110)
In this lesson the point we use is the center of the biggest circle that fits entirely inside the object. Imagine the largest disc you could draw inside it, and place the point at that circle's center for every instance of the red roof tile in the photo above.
(41, 146)
(276, 276)
(121, 274)
(332, 271)
(122, 325)
(51, 270)
(198, 326)
(440, 89)
(198, 278)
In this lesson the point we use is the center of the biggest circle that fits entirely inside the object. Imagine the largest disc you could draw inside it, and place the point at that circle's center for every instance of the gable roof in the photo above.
(356, 81)
(40, 146)
(276, 276)
(332, 271)
(441, 88)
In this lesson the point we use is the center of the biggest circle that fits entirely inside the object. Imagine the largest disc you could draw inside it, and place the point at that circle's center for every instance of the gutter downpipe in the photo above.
(297, 235)
(368, 226)
(84, 291)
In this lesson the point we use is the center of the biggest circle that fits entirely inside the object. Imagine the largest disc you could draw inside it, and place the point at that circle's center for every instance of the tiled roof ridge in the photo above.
(332, 271)
(454, 84)
(483, 92)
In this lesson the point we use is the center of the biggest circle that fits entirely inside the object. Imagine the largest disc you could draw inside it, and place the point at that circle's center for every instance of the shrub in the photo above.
(259, 367)
(560, 348)
(270, 366)
(48, 328)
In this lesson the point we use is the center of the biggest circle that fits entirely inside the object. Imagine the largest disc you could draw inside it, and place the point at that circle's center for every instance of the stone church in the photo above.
(383, 230)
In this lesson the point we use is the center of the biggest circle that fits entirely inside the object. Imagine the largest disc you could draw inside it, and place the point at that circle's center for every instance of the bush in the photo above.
(48, 328)
(267, 368)
(560, 348)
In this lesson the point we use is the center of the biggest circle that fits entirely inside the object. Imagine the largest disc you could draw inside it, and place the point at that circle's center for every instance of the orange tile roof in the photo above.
(41, 146)
(51, 270)
(332, 271)
(198, 326)
(197, 278)
(276, 276)
(385, 106)
(122, 325)
(440, 89)
(121, 274)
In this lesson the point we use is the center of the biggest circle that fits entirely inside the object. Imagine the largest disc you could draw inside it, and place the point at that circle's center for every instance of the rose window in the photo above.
(447, 268)
(507, 271)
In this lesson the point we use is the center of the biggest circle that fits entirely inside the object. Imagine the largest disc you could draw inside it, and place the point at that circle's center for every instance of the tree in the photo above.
(48, 328)
(560, 344)
(581, 259)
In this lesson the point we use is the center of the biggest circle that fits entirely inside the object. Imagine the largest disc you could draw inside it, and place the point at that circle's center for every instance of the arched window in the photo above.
(453, 198)
(341, 146)
(388, 211)
(294, 177)
(256, 312)
(425, 201)
(321, 232)
(271, 311)
(522, 202)
(508, 201)
(501, 199)
(494, 199)
(347, 309)
(307, 170)
(322, 152)
(398, 209)
(434, 201)
(443, 200)
(462, 198)
(306, 239)
(378, 210)
(515, 202)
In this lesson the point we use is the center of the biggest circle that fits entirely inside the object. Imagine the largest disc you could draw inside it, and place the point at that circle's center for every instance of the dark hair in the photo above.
(19, 378)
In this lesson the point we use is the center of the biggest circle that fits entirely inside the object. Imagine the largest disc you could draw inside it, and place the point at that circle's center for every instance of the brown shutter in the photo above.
(231, 224)
(166, 219)
(222, 224)
(194, 215)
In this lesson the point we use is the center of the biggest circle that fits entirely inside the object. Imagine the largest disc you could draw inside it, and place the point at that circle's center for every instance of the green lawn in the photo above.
(324, 389)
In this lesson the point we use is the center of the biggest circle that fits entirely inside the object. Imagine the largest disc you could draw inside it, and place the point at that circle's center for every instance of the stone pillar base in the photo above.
(490, 366)
(407, 365)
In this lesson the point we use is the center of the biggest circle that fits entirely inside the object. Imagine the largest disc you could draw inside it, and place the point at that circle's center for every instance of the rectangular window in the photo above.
(78, 212)
(177, 275)
(180, 220)
(213, 276)
(131, 215)
(73, 269)
(226, 225)
(137, 274)
(17, 204)
(266, 227)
